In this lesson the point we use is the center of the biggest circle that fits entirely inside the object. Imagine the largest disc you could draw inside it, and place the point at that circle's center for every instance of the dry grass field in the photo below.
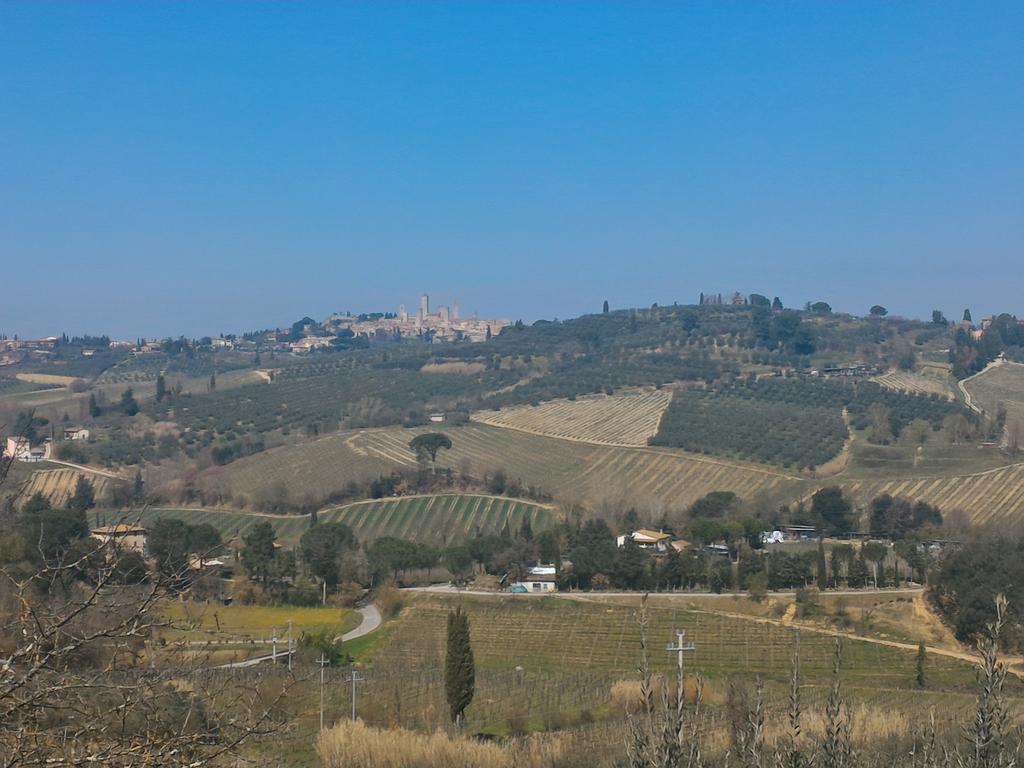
(624, 419)
(995, 495)
(45, 378)
(1000, 385)
(58, 485)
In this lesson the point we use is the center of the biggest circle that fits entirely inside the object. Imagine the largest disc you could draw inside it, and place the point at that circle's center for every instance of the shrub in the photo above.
(758, 587)
(388, 599)
(355, 745)
(807, 602)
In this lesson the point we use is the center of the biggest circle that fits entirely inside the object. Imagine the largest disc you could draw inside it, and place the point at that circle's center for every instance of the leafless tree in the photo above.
(81, 680)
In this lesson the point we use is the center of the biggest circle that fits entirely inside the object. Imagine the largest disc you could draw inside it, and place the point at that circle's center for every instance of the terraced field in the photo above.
(58, 485)
(437, 519)
(566, 469)
(999, 385)
(625, 419)
(918, 383)
(991, 496)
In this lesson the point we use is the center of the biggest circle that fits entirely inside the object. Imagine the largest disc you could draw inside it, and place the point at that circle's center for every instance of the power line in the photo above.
(680, 647)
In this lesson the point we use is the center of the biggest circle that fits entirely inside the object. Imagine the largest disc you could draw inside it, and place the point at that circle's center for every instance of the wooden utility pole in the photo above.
(354, 677)
(323, 663)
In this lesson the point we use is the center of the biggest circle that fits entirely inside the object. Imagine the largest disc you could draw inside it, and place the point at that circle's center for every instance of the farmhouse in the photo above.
(539, 578)
(310, 343)
(76, 433)
(657, 541)
(123, 536)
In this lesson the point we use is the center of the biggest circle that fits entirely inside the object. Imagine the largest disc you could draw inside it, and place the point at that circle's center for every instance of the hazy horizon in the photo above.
(193, 169)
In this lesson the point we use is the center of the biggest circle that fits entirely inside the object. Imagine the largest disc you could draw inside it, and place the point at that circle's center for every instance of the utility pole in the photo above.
(354, 677)
(323, 663)
(291, 650)
(680, 647)
(273, 645)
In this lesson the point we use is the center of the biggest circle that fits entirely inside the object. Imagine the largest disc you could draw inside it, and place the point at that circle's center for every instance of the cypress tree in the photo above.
(161, 388)
(822, 570)
(920, 664)
(459, 669)
(604, 308)
(138, 488)
(84, 497)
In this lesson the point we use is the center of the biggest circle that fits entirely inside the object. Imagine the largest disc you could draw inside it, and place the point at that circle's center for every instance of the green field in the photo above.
(437, 519)
(215, 621)
(551, 655)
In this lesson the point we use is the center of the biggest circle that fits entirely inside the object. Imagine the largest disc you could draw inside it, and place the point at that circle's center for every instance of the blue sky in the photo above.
(198, 168)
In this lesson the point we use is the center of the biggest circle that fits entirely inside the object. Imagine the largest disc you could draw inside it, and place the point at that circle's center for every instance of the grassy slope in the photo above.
(563, 468)
(983, 484)
(1000, 385)
(438, 519)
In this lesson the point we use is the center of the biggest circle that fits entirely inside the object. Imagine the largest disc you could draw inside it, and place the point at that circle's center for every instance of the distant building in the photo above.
(773, 537)
(123, 536)
(656, 541)
(310, 343)
(76, 433)
(437, 418)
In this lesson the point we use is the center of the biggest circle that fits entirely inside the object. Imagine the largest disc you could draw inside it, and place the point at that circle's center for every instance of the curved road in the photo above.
(371, 621)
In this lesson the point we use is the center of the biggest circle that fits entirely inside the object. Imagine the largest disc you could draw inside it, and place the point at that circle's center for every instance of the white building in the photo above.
(17, 448)
(539, 578)
(123, 536)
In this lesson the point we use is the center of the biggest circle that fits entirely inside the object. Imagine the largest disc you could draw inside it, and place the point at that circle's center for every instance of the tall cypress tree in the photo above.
(84, 497)
(459, 668)
(920, 664)
(822, 574)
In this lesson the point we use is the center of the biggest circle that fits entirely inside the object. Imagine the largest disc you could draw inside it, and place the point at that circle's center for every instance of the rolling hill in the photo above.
(565, 469)
(436, 519)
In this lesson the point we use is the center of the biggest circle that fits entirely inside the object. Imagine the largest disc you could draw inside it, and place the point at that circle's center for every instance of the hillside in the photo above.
(435, 519)
(999, 387)
(566, 469)
(628, 418)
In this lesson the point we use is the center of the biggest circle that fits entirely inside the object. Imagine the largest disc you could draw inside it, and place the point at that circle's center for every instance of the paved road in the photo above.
(371, 620)
(448, 589)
